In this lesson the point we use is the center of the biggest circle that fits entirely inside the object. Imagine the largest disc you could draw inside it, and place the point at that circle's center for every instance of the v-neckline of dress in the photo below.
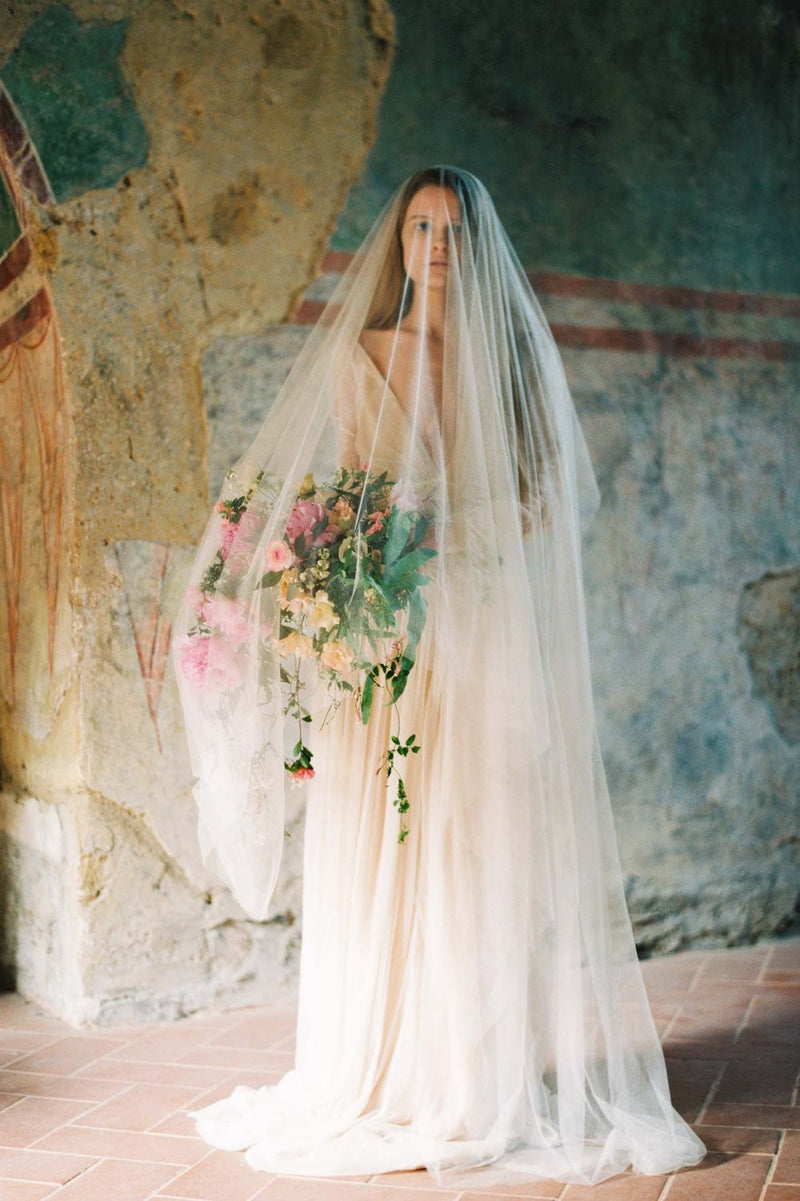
(390, 390)
(384, 380)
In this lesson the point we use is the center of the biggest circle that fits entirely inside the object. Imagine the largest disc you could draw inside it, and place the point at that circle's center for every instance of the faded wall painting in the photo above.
(34, 447)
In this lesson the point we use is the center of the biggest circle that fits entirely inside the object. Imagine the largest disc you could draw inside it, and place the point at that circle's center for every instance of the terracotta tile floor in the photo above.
(101, 1116)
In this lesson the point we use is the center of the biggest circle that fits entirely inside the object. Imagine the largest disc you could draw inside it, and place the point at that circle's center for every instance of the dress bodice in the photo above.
(373, 426)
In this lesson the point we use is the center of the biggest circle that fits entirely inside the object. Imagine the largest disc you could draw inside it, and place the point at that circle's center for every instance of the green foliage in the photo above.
(210, 577)
(401, 803)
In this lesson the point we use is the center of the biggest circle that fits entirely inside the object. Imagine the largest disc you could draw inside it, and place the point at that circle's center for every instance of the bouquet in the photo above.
(347, 581)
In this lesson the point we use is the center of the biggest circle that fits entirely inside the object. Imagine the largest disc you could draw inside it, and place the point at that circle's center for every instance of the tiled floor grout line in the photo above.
(711, 1094)
(773, 1165)
(665, 1189)
(697, 976)
(678, 1009)
(765, 965)
(744, 1021)
(795, 1097)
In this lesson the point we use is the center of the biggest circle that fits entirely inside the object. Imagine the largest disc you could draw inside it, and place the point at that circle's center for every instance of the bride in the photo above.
(388, 605)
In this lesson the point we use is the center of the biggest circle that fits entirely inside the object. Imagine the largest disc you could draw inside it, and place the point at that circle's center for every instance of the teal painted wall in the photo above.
(642, 141)
(65, 80)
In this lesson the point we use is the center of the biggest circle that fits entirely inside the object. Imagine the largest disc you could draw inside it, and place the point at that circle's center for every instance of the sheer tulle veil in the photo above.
(410, 514)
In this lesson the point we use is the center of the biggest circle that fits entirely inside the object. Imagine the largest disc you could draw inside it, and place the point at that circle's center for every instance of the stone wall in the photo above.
(171, 174)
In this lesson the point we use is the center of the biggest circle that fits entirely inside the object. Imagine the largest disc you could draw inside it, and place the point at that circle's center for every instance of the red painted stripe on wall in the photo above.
(677, 343)
(641, 341)
(26, 319)
(667, 296)
(591, 287)
(15, 261)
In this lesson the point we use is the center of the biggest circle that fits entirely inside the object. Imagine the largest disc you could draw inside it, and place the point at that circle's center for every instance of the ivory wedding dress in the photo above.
(470, 998)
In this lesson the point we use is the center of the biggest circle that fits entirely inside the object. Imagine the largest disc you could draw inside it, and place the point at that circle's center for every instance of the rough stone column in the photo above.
(172, 174)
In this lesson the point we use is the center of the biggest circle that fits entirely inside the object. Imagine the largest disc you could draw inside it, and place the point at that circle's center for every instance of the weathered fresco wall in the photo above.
(172, 174)
(642, 141)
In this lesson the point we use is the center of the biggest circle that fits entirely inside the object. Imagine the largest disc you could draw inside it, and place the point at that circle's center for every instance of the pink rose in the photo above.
(277, 555)
(210, 664)
(300, 774)
(302, 519)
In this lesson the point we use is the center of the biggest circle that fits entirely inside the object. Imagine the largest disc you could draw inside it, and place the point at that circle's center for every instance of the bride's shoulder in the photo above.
(375, 341)
(383, 345)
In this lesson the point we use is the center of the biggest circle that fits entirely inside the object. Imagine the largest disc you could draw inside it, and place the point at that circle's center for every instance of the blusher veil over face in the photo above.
(446, 379)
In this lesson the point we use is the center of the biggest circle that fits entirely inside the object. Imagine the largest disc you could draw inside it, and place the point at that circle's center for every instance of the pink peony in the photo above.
(277, 555)
(227, 617)
(209, 663)
(302, 519)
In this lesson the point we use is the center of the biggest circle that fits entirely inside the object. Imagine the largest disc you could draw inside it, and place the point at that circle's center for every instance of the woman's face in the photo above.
(430, 235)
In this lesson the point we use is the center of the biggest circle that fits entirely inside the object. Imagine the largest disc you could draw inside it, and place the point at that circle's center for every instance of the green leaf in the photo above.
(397, 683)
(420, 530)
(366, 698)
(404, 575)
(399, 526)
(417, 610)
(270, 579)
(300, 545)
